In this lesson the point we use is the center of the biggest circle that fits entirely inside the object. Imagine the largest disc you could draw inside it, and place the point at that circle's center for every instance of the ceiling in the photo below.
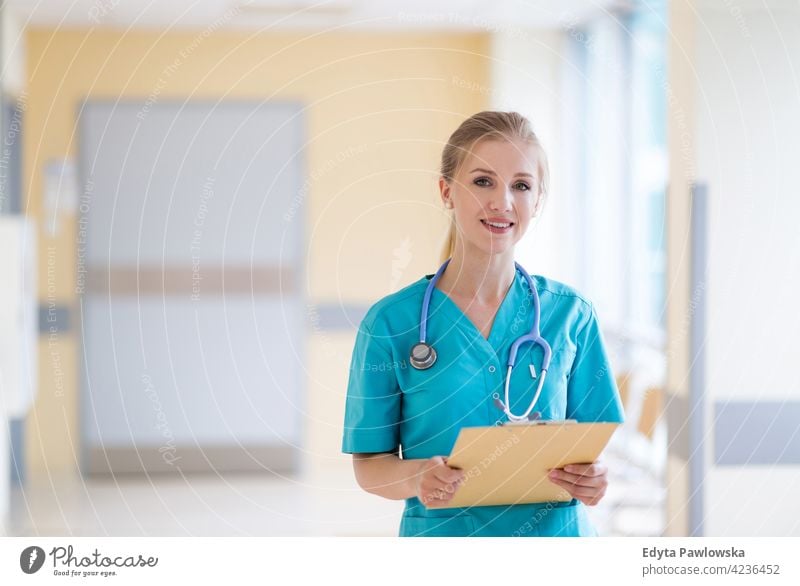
(456, 15)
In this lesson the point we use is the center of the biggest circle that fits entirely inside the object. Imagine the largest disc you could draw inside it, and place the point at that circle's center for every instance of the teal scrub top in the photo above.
(393, 407)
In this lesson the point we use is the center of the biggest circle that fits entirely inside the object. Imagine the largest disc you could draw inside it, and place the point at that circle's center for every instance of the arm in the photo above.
(386, 475)
(371, 432)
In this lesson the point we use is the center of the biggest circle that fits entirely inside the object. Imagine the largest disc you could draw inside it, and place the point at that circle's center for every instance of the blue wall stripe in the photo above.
(11, 156)
(757, 433)
(16, 430)
(697, 371)
(324, 317)
(57, 317)
(332, 317)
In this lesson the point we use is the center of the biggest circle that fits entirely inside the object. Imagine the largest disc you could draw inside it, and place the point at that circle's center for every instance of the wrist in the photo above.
(415, 476)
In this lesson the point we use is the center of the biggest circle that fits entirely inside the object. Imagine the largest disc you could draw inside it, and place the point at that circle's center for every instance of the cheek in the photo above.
(469, 199)
(527, 210)
(467, 209)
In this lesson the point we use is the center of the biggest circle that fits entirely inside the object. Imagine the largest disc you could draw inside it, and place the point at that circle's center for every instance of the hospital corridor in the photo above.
(213, 211)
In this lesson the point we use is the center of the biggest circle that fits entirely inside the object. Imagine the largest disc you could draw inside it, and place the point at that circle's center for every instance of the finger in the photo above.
(447, 475)
(579, 480)
(432, 483)
(440, 491)
(430, 498)
(451, 489)
(580, 491)
(437, 497)
(594, 469)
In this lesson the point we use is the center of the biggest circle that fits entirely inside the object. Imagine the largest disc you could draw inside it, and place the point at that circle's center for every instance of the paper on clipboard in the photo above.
(506, 465)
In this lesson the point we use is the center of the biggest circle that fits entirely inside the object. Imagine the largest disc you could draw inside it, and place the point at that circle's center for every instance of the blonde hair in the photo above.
(488, 125)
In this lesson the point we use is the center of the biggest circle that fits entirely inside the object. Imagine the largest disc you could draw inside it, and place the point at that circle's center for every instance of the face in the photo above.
(494, 194)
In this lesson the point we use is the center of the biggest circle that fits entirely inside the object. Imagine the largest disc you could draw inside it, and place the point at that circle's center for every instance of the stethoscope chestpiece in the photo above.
(423, 356)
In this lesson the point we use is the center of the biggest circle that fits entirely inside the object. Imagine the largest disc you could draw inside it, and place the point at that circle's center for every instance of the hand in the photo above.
(585, 482)
(436, 482)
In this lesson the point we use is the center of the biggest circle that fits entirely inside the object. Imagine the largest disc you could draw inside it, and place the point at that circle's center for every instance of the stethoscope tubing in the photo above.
(534, 337)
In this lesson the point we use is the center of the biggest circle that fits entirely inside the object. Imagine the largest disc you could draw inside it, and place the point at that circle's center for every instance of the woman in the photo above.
(494, 178)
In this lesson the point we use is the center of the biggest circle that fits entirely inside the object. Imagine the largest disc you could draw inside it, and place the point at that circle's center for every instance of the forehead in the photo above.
(502, 156)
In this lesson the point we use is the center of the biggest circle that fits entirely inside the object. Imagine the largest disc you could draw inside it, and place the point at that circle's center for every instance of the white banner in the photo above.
(350, 561)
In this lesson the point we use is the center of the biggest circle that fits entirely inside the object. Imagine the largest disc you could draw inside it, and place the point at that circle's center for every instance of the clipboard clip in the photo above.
(541, 422)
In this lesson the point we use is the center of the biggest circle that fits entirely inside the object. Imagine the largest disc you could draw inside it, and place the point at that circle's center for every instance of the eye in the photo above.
(486, 182)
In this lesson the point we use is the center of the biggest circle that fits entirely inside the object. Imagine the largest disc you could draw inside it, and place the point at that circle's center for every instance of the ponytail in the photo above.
(449, 244)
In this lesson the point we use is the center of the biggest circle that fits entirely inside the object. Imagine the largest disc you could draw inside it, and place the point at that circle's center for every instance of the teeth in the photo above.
(496, 225)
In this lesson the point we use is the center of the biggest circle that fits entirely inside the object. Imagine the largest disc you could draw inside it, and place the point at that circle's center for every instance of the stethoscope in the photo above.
(423, 356)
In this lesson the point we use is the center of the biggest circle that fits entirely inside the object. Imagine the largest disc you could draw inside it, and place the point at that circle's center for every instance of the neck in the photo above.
(483, 278)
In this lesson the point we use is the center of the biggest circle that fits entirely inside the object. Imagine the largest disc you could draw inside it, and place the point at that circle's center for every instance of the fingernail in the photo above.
(569, 468)
(553, 474)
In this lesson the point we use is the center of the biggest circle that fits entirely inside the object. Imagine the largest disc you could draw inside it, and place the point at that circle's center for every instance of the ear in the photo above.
(444, 189)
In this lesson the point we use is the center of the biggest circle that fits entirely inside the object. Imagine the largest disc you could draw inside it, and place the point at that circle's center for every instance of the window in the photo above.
(621, 157)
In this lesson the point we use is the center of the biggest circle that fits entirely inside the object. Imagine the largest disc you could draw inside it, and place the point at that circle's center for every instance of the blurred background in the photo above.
(199, 200)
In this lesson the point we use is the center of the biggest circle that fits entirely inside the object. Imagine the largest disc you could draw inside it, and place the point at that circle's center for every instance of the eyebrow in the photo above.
(493, 173)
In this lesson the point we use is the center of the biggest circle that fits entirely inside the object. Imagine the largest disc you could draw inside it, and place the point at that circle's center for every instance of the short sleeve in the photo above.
(592, 394)
(372, 408)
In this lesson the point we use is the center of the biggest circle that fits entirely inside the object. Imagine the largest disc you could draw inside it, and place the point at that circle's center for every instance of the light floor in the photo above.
(257, 505)
(201, 505)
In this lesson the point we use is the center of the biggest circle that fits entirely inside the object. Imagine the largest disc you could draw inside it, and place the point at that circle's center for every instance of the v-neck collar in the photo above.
(500, 325)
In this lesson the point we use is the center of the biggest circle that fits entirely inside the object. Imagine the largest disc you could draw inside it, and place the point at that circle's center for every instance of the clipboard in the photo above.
(508, 464)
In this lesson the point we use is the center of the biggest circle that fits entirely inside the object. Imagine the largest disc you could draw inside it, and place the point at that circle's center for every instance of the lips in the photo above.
(497, 225)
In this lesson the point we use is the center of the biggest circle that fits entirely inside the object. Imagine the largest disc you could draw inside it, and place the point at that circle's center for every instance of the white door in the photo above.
(189, 274)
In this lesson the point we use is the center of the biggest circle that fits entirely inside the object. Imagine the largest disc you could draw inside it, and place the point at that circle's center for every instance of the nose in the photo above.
(501, 199)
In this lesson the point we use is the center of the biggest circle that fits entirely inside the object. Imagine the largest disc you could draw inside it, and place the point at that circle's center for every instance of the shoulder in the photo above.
(565, 300)
(561, 291)
(400, 305)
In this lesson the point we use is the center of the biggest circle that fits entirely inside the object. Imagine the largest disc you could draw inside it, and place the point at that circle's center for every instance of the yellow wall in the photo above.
(378, 107)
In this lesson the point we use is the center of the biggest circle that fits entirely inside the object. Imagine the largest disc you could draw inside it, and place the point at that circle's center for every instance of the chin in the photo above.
(496, 248)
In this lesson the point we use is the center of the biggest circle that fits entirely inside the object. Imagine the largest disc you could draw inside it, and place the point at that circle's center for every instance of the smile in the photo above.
(497, 227)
